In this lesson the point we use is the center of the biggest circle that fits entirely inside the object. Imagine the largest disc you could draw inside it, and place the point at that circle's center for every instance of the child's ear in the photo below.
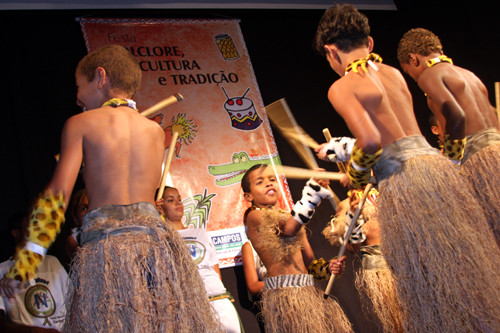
(413, 59)
(330, 50)
(101, 75)
(434, 130)
(371, 43)
(248, 197)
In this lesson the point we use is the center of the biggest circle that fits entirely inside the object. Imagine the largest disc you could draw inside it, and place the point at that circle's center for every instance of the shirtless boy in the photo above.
(290, 302)
(422, 196)
(459, 101)
(126, 277)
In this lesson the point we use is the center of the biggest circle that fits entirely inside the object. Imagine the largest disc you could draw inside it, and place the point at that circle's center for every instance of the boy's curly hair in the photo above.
(344, 26)
(418, 41)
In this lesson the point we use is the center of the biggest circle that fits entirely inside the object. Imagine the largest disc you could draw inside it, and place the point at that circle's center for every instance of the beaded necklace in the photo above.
(260, 208)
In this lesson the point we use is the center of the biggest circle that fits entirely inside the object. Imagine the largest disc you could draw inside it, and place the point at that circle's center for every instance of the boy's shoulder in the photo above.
(257, 214)
(254, 215)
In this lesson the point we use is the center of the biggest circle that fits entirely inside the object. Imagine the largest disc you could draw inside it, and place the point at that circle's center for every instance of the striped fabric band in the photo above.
(294, 280)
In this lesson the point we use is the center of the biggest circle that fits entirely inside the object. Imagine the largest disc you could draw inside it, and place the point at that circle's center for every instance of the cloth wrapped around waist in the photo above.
(395, 154)
(479, 140)
(372, 258)
(103, 222)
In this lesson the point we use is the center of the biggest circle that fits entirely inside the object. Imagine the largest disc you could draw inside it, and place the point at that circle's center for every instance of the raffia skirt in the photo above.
(437, 241)
(291, 303)
(376, 285)
(481, 166)
(133, 273)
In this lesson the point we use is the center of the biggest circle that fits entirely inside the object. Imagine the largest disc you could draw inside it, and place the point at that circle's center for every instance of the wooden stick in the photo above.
(163, 104)
(298, 138)
(347, 234)
(166, 167)
(299, 173)
(328, 137)
(497, 99)
(282, 117)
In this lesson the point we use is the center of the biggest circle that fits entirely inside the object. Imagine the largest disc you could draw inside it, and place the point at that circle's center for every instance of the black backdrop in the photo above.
(40, 50)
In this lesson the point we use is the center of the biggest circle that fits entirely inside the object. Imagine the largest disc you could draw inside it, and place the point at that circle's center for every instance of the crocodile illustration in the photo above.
(231, 173)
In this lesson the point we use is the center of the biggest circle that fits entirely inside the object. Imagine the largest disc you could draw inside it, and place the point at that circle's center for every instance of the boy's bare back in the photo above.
(122, 153)
(375, 104)
(446, 82)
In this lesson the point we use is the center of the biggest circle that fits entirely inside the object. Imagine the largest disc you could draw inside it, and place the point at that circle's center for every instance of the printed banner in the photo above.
(228, 243)
(222, 128)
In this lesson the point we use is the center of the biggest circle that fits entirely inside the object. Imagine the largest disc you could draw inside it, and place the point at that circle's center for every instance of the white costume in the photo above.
(203, 252)
(41, 304)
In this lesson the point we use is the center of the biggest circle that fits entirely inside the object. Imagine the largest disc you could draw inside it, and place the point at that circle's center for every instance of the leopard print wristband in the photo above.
(360, 164)
(319, 269)
(454, 149)
(45, 223)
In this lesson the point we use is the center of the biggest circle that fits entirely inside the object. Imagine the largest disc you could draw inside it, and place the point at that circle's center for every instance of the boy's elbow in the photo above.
(452, 112)
(455, 120)
(255, 291)
(369, 145)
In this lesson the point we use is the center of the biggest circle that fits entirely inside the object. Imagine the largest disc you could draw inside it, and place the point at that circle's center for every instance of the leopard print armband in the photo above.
(454, 149)
(360, 164)
(45, 223)
(319, 269)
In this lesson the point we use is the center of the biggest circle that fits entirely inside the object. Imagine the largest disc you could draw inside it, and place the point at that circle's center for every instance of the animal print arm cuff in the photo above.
(454, 149)
(360, 164)
(358, 235)
(45, 223)
(339, 149)
(319, 269)
(312, 194)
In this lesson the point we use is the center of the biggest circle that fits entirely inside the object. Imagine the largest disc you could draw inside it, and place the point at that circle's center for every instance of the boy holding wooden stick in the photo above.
(132, 270)
(290, 302)
(424, 205)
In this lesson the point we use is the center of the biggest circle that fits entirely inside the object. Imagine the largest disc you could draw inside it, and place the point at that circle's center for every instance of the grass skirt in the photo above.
(438, 244)
(136, 281)
(301, 309)
(482, 172)
(377, 288)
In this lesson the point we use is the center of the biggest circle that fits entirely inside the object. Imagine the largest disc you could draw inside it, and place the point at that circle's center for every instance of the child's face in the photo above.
(264, 189)
(413, 69)
(82, 209)
(86, 93)
(172, 205)
(333, 63)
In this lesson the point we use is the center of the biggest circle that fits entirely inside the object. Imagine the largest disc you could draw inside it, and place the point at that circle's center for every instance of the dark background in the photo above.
(40, 50)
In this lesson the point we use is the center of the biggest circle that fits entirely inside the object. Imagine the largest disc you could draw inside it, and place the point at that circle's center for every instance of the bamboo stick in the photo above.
(163, 104)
